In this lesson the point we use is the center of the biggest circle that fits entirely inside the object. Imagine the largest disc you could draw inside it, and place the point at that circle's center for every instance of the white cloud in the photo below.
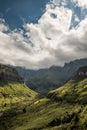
(49, 42)
(81, 3)
(49, 29)
(3, 27)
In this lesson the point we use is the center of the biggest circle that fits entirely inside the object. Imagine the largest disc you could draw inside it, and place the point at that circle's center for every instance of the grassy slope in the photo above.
(12, 93)
(72, 92)
(64, 109)
(12, 88)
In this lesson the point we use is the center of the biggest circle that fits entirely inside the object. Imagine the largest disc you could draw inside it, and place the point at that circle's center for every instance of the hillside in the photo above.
(74, 91)
(12, 88)
(63, 109)
(44, 80)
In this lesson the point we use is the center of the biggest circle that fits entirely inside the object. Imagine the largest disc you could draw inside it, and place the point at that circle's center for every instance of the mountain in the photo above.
(9, 74)
(13, 90)
(75, 90)
(44, 80)
(64, 108)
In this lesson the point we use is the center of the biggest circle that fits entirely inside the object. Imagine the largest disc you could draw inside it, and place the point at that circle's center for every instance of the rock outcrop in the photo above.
(9, 74)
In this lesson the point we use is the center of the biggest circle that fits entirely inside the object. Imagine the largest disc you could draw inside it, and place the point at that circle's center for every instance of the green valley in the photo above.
(64, 108)
(43, 64)
(44, 80)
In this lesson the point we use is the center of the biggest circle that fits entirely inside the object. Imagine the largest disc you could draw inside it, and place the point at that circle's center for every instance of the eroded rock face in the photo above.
(9, 74)
(81, 73)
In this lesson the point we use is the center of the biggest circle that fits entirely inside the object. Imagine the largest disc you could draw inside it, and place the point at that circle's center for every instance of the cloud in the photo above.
(3, 27)
(81, 3)
(49, 42)
(49, 29)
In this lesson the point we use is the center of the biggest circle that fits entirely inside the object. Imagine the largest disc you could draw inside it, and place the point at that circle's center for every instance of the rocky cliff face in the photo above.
(9, 74)
(81, 73)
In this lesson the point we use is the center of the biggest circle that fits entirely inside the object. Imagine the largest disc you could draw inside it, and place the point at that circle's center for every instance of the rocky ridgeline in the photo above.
(81, 73)
(9, 74)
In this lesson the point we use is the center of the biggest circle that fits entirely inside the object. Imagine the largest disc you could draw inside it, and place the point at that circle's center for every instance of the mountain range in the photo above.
(44, 80)
(64, 108)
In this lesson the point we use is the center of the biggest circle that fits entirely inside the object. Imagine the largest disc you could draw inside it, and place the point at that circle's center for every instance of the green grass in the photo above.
(13, 93)
(71, 92)
(40, 115)
(63, 109)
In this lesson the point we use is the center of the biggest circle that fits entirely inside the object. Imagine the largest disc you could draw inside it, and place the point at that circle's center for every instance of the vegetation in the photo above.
(13, 93)
(12, 89)
(64, 109)
(71, 92)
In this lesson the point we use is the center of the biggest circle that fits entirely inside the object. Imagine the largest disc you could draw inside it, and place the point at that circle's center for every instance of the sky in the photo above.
(42, 33)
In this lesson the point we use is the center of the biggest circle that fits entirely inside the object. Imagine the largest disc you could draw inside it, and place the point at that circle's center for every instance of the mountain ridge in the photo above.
(72, 91)
(64, 108)
(44, 80)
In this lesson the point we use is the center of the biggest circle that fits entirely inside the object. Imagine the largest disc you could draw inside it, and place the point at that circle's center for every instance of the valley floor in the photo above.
(63, 109)
(45, 114)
